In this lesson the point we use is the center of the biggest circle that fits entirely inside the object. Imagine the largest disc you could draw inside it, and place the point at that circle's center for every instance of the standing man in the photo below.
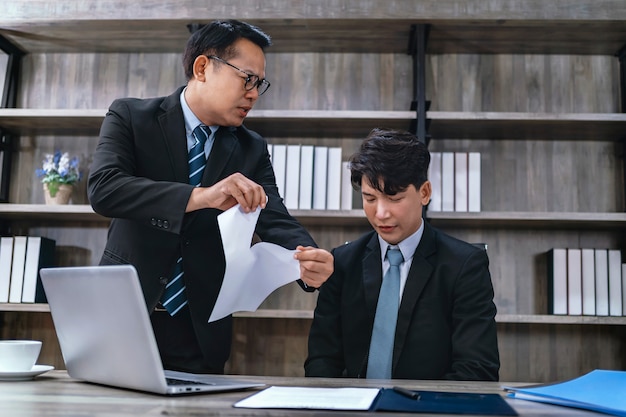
(432, 316)
(164, 169)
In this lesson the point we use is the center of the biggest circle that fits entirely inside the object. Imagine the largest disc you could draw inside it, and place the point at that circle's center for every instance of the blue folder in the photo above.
(600, 390)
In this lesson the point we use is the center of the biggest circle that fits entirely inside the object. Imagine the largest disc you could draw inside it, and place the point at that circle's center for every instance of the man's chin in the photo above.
(236, 122)
(390, 238)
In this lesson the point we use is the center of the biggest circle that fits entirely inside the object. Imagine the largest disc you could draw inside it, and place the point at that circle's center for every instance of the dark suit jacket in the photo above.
(139, 178)
(446, 327)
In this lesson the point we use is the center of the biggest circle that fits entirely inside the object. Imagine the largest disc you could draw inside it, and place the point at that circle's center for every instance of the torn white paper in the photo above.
(252, 273)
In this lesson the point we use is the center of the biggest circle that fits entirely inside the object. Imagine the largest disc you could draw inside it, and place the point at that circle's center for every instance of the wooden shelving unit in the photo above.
(585, 28)
(84, 212)
(355, 124)
(308, 315)
(84, 54)
(546, 126)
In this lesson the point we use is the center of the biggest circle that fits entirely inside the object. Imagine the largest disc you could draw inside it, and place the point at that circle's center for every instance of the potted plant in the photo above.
(58, 174)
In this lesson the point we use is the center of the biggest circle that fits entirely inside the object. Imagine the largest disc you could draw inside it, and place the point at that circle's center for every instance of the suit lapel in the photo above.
(172, 125)
(419, 274)
(372, 275)
(224, 145)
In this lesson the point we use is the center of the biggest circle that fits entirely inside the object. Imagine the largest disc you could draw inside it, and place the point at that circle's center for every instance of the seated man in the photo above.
(432, 316)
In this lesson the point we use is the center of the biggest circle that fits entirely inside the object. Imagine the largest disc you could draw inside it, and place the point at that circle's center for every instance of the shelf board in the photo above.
(325, 123)
(527, 126)
(275, 314)
(528, 26)
(356, 123)
(500, 318)
(269, 123)
(84, 212)
(543, 220)
(552, 319)
(25, 307)
(65, 212)
(52, 121)
(308, 315)
(330, 217)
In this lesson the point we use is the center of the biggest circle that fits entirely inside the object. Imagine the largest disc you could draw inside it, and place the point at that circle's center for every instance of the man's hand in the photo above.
(233, 189)
(316, 265)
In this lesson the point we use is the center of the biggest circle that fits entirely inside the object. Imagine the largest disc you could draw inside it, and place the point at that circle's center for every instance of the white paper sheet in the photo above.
(312, 398)
(252, 273)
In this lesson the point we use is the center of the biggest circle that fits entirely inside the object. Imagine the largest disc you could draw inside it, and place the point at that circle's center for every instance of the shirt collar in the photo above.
(191, 120)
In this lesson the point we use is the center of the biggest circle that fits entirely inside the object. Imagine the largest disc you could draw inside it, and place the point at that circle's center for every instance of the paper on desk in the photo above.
(312, 398)
(252, 273)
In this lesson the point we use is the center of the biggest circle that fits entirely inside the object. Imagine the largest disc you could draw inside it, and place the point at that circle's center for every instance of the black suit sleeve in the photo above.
(325, 338)
(474, 334)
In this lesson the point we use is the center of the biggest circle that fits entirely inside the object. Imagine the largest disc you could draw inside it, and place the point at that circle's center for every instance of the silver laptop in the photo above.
(105, 333)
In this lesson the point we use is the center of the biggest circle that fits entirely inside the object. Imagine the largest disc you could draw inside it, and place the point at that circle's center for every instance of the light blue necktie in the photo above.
(381, 345)
(173, 298)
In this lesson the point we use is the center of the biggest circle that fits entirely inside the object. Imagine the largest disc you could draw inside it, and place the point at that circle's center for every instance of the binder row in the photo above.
(312, 177)
(455, 179)
(586, 282)
(21, 257)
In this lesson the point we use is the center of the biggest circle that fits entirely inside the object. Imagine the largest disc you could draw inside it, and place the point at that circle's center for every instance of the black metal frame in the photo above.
(193, 27)
(621, 56)
(9, 99)
(417, 48)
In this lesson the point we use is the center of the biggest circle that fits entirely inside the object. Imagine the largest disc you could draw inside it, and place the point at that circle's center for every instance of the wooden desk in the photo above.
(56, 394)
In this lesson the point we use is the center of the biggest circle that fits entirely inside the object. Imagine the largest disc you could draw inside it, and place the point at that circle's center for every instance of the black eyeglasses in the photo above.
(251, 80)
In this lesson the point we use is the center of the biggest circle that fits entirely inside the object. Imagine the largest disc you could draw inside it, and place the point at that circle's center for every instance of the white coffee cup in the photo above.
(18, 355)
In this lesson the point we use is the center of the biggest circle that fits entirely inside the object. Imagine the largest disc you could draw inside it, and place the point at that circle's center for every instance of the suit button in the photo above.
(163, 280)
(153, 221)
(166, 224)
(187, 243)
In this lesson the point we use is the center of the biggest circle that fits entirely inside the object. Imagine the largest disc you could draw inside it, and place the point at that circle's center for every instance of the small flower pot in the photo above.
(62, 196)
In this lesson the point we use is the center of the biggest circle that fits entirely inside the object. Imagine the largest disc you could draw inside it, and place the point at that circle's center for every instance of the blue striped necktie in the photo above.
(174, 298)
(383, 334)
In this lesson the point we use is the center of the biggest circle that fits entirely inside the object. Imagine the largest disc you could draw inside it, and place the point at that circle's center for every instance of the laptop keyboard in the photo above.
(174, 381)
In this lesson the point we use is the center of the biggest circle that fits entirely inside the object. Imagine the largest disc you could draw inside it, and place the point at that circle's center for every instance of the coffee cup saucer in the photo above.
(25, 375)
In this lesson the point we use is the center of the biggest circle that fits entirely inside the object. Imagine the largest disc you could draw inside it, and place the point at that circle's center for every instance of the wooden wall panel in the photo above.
(33, 326)
(543, 175)
(332, 81)
(523, 83)
(549, 353)
(94, 80)
(269, 347)
(81, 81)
(530, 353)
(518, 262)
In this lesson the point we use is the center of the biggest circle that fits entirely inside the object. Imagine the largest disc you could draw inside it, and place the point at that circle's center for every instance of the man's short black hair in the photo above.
(217, 39)
(393, 159)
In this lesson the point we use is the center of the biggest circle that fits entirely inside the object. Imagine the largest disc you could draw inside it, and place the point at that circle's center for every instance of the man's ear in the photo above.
(425, 191)
(200, 67)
